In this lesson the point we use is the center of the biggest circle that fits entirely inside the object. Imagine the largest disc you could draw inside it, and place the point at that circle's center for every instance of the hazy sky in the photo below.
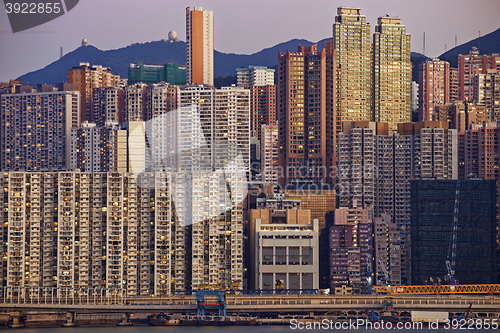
(240, 26)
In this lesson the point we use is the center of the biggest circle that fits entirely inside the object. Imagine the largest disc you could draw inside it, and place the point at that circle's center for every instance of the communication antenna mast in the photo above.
(479, 40)
(424, 43)
(61, 53)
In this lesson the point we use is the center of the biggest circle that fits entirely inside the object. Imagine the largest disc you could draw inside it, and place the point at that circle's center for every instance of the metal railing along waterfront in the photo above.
(258, 292)
(62, 296)
(71, 297)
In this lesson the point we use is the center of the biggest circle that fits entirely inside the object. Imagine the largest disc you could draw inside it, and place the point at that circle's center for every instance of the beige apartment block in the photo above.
(284, 251)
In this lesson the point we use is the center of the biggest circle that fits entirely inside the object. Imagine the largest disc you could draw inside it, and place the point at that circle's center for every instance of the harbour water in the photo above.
(199, 329)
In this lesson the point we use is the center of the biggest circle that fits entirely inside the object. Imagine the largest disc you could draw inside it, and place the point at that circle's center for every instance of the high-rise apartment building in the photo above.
(434, 87)
(214, 128)
(486, 91)
(137, 157)
(414, 96)
(262, 108)
(136, 102)
(306, 100)
(351, 244)
(375, 166)
(269, 148)
(121, 232)
(108, 105)
(92, 148)
(472, 64)
(255, 76)
(119, 158)
(213, 150)
(388, 257)
(85, 78)
(200, 46)
(478, 151)
(91, 208)
(164, 98)
(391, 73)
(461, 115)
(454, 85)
(351, 41)
(35, 128)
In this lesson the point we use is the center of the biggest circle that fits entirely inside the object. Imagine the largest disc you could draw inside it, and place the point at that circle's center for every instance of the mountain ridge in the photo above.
(487, 44)
(225, 64)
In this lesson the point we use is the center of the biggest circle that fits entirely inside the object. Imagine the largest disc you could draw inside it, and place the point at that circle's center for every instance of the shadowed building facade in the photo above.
(432, 212)
(306, 100)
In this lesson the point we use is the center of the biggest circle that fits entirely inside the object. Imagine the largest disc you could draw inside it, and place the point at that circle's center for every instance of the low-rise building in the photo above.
(285, 251)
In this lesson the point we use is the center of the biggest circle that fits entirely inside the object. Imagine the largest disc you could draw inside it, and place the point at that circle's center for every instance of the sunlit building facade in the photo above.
(391, 72)
(351, 41)
(200, 46)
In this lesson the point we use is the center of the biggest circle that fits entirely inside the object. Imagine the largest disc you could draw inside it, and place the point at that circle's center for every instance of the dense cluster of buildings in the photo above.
(165, 183)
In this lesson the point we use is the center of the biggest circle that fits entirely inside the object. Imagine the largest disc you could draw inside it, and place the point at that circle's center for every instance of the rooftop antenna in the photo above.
(444, 47)
(61, 53)
(455, 40)
(424, 43)
(479, 40)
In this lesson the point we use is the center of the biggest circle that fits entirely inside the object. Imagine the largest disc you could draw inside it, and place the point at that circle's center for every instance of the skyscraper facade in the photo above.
(434, 87)
(108, 105)
(391, 73)
(375, 166)
(125, 233)
(478, 151)
(351, 40)
(92, 148)
(454, 85)
(255, 76)
(306, 100)
(200, 46)
(472, 64)
(461, 115)
(262, 108)
(486, 91)
(214, 128)
(85, 78)
(269, 148)
(35, 128)
(351, 244)
(136, 102)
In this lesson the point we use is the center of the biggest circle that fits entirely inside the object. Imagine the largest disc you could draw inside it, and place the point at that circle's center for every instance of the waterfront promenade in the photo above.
(13, 306)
